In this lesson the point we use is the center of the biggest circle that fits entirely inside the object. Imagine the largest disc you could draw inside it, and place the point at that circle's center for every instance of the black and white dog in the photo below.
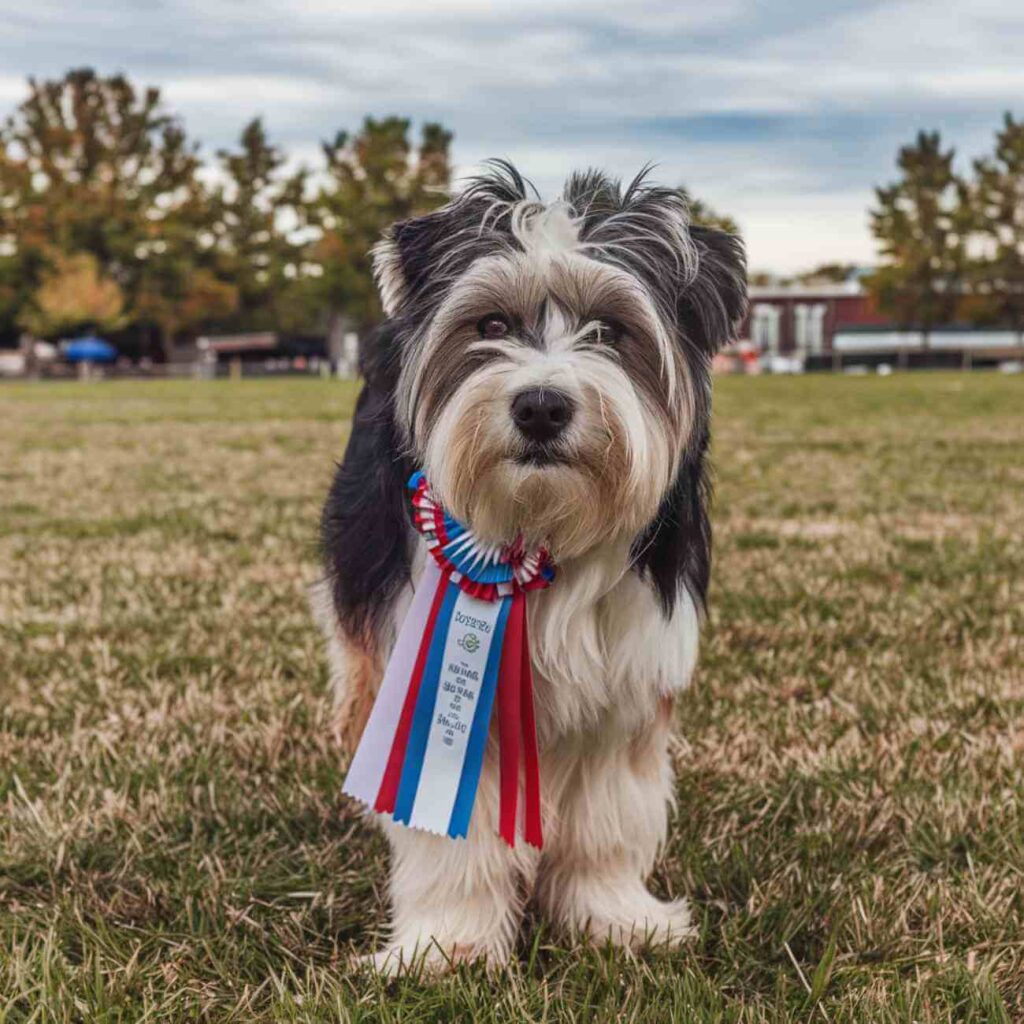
(547, 366)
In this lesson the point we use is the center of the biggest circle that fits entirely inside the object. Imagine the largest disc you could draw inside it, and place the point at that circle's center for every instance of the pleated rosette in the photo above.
(486, 571)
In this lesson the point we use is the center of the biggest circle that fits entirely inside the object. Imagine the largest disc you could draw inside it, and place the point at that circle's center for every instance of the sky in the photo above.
(782, 114)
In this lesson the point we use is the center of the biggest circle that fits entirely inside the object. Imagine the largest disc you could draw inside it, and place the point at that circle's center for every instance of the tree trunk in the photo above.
(336, 328)
(167, 342)
(27, 344)
(344, 355)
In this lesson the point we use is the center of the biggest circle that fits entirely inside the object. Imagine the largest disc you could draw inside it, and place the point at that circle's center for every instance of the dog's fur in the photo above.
(613, 299)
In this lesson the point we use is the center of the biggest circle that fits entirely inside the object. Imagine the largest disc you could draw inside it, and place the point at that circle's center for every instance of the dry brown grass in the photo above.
(173, 845)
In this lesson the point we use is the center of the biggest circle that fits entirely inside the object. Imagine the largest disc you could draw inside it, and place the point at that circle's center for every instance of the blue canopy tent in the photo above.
(90, 349)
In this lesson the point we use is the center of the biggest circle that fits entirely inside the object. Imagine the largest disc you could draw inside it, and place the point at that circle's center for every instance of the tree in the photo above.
(74, 294)
(257, 216)
(998, 202)
(921, 223)
(182, 286)
(92, 165)
(13, 298)
(374, 179)
(704, 215)
(834, 273)
(184, 299)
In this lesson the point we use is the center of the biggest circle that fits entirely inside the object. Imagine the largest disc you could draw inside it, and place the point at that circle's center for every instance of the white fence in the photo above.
(914, 341)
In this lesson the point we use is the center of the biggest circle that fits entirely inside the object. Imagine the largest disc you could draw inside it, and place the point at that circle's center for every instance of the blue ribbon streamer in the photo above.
(473, 764)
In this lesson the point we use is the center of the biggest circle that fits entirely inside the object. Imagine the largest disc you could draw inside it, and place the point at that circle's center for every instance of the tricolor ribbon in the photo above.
(462, 648)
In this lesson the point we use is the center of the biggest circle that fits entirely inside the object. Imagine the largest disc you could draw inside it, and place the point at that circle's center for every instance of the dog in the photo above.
(547, 365)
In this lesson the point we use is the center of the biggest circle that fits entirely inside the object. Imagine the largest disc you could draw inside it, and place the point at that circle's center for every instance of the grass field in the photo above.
(173, 845)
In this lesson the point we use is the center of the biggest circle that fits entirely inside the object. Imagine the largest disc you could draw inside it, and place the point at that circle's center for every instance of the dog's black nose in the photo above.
(541, 414)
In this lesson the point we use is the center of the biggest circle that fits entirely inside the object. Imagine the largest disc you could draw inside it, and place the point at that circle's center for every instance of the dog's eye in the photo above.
(607, 331)
(494, 325)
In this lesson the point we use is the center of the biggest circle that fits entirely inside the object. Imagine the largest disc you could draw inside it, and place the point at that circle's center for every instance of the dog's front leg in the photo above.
(455, 900)
(615, 794)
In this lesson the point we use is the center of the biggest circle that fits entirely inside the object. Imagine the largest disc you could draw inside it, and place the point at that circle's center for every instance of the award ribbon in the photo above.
(462, 649)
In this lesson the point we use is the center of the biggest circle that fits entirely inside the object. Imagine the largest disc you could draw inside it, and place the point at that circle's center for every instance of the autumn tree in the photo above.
(92, 165)
(73, 294)
(921, 222)
(13, 297)
(179, 298)
(998, 202)
(374, 178)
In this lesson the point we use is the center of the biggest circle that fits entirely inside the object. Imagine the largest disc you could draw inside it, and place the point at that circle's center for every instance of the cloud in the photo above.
(12, 89)
(785, 113)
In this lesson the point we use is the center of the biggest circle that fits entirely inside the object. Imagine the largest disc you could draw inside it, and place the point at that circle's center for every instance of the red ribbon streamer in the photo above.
(533, 831)
(517, 727)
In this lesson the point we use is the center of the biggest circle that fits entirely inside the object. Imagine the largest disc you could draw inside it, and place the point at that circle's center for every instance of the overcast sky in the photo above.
(783, 114)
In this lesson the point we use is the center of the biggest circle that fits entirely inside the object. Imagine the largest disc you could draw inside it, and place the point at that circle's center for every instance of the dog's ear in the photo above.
(411, 251)
(713, 304)
(403, 258)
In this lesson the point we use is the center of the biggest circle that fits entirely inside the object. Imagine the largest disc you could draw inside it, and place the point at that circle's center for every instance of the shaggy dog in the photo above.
(547, 366)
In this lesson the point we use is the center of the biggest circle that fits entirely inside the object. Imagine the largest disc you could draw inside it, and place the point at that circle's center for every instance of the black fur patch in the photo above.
(364, 528)
(674, 552)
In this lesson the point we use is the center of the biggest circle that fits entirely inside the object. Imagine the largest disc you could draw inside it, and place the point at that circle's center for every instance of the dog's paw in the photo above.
(651, 923)
(390, 962)
(425, 961)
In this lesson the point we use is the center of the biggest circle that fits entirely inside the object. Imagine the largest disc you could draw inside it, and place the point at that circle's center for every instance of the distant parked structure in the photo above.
(830, 325)
(801, 320)
(264, 352)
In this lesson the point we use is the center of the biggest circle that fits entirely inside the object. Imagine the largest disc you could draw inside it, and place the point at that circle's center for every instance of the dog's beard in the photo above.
(602, 479)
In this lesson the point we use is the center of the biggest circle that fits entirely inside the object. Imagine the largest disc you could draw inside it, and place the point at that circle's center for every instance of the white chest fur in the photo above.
(603, 650)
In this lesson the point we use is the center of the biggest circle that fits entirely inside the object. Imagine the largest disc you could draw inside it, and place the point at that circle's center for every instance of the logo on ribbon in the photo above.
(469, 642)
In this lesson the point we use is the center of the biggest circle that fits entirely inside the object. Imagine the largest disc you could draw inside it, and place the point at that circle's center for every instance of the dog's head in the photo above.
(553, 358)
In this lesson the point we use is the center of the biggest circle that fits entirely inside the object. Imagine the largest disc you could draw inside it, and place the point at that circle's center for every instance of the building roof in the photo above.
(238, 342)
(825, 290)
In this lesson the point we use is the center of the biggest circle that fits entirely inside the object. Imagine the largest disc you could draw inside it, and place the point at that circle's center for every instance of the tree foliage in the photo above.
(257, 212)
(374, 178)
(110, 218)
(92, 165)
(997, 197)
(704, 214)
(952, 245)
(74, 294)
(185, 299)
(921, 222)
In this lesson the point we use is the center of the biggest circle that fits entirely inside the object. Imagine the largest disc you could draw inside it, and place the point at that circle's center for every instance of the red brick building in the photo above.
(801, 320)
(832, 325)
